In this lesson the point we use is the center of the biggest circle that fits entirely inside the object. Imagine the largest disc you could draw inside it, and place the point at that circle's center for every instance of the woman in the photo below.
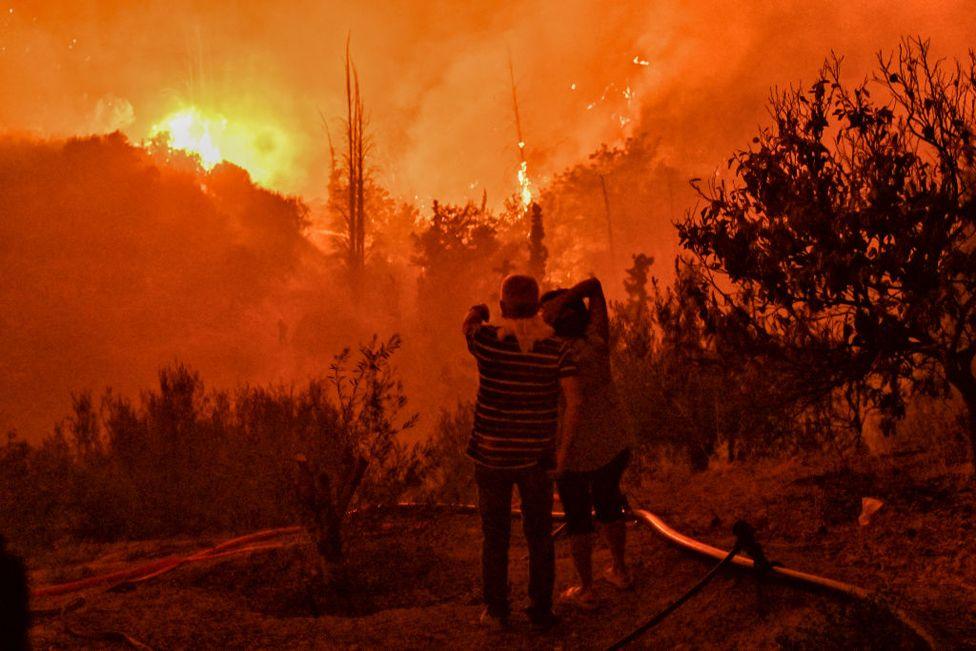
(591, 462)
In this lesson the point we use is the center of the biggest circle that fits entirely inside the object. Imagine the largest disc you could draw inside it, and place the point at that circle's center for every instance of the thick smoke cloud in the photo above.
(435, 74)
(111, 269)
(114, 265)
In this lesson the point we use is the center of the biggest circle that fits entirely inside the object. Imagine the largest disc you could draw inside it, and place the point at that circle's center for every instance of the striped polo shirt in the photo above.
(517, 411)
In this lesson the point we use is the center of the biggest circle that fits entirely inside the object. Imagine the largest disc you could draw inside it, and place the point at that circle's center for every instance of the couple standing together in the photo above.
(547, 408)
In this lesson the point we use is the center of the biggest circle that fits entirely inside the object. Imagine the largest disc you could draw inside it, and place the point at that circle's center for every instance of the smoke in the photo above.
(435, 74)
(115, 265)
(711, 68)
(117, 268)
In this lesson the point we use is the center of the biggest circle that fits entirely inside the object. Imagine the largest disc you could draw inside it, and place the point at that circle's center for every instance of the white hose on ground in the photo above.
(675, 537)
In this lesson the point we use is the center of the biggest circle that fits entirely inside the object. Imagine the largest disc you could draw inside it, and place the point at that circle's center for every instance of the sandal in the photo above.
(577, 596)
(619, 580)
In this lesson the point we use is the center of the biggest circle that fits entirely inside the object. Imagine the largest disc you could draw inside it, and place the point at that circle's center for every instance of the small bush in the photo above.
(450, 477)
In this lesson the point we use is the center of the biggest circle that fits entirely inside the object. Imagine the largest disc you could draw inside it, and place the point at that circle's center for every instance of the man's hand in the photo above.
(477, 315)
(481, 311)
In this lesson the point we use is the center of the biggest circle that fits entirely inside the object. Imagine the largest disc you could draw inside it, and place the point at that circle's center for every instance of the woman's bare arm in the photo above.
(599, 315)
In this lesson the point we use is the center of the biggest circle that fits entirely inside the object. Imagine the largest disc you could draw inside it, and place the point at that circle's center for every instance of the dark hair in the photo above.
(572, 319)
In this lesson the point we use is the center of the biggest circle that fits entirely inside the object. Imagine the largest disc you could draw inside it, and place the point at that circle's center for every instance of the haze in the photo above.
(687, 80)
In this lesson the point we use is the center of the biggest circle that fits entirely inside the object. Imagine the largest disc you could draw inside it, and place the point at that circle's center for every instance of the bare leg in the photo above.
(610, 504)
(582, 549)
(615, 534)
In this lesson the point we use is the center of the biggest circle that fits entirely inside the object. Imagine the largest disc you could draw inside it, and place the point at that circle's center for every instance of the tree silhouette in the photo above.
(455, 255)
(362, 458)
(348, 181)
(846, 238)
(538, 253)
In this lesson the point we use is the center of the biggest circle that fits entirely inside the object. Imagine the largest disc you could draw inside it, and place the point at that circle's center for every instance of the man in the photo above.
(523, 369)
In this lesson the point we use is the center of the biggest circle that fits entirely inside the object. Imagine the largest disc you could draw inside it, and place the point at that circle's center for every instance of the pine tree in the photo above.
(538, 253)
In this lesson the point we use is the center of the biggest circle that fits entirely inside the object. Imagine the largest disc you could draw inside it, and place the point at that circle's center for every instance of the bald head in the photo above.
(520, 296)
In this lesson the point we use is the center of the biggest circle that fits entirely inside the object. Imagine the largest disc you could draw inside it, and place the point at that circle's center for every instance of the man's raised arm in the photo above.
(477, 315)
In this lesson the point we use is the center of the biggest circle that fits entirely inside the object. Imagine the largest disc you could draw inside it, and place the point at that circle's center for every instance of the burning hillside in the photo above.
(312, 278)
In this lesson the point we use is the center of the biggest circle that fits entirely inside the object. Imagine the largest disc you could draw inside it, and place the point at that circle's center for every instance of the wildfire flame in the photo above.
(523, 178)
(190, 131)
(260, 148)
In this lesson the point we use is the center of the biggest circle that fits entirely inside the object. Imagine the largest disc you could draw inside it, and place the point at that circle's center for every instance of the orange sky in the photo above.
(434, 74)
(436, 85)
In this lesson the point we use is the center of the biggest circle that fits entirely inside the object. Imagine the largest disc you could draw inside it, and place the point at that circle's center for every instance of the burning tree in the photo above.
(846, 239)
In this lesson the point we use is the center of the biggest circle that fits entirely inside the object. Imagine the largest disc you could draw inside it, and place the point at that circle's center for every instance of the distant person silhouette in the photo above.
(523, 369)
(14, 613)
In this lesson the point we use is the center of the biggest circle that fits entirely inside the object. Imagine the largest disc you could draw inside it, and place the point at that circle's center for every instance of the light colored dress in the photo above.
(604, 428)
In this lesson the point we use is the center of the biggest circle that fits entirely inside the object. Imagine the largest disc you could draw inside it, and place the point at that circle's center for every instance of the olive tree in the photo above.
(845, 237)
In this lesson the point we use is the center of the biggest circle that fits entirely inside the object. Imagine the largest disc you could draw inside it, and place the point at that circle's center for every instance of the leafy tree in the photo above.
(360, 458)
(635, 284)
(845, 241)
(691, 388)
(666, 361)
(635, 330)
(601, 208)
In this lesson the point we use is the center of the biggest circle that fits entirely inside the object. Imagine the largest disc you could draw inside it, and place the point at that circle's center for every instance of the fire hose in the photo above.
(745, 542)
(759, 563)
(674, 605)
(146, 571)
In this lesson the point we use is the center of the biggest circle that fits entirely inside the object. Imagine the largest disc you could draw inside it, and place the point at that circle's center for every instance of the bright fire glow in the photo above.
(191, 132)
(260, 148)
(523, 178)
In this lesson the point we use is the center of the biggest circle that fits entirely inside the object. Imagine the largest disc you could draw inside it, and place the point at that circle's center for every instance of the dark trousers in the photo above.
(495, 505)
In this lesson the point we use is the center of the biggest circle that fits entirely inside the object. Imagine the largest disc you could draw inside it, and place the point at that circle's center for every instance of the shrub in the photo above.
(185, 459)
(451, 478)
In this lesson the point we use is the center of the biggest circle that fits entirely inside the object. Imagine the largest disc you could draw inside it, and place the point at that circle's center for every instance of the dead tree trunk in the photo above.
(356, 165)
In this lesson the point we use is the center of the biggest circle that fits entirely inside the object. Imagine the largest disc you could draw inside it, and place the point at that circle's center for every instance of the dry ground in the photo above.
(417, 576)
